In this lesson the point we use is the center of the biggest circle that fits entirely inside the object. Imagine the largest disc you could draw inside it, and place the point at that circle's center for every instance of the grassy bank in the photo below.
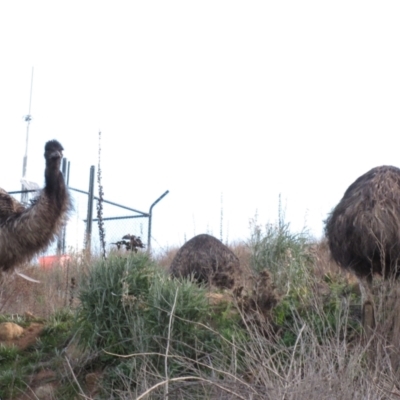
(126, 330)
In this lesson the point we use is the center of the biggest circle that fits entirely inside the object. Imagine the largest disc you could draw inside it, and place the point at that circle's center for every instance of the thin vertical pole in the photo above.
(150, 221)
(68, 171)
(28, 119)
(89, 218)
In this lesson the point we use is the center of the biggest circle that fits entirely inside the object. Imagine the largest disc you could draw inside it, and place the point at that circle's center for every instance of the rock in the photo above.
(92, 383)
(10, 331)
(45, 392)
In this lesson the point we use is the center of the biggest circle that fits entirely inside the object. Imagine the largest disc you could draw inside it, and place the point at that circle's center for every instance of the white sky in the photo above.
(248, 99)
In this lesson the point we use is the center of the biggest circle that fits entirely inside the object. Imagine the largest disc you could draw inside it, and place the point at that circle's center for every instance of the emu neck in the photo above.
(53, 177)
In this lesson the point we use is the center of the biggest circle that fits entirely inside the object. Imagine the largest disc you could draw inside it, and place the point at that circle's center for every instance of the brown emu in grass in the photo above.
(208, 260)
(363, 231)
(25, 231)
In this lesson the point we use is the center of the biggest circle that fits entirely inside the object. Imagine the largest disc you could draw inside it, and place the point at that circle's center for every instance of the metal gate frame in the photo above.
(89, 219)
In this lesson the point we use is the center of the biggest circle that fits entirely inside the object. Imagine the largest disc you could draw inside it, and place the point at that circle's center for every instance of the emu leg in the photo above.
(368, 318)
(368, 306)
(394, 335)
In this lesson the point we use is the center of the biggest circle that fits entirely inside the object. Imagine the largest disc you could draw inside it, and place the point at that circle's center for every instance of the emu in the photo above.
(25, 231)
(208, 260)
(363, 232)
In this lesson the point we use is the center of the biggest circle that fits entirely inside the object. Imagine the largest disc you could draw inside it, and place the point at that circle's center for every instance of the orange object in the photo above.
(48, 262)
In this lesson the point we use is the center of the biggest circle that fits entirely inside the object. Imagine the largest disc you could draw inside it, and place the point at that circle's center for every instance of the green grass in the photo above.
(12, 381)
(129, 306)
(16, 365)
(142, 331)
(8, 353)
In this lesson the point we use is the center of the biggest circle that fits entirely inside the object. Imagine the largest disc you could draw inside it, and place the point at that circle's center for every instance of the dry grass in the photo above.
(164, 258)
(56, 290)
(325, 265)
(330, 362)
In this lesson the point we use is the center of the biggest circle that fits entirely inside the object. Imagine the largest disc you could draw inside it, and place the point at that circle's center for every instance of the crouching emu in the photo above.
(207, 260)
(363, 232)
(25, 231)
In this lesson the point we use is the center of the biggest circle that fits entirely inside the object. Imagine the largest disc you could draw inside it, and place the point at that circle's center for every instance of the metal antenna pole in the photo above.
(28, 119)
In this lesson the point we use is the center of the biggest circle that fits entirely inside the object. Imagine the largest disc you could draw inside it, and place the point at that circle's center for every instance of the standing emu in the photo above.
(208, 260)
(25, 231)
(363, 232)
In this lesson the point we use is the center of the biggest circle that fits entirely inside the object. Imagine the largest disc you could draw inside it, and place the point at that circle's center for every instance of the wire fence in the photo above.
(82, 229)
(118, 221)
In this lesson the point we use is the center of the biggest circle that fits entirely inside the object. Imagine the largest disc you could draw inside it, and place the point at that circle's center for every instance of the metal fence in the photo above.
(82, 230)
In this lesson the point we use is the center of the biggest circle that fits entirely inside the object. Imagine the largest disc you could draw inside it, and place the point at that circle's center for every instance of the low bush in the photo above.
(144, 323)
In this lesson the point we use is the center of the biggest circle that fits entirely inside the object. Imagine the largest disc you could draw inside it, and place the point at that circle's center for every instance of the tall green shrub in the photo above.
(129, 306)
(276, 248)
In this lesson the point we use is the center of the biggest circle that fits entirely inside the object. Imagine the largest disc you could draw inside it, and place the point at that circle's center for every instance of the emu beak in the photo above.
(56, 154)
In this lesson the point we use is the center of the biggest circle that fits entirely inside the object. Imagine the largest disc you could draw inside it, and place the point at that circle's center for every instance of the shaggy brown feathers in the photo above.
(25, 231)
(363, 230)
(8, 205)
(208, 260)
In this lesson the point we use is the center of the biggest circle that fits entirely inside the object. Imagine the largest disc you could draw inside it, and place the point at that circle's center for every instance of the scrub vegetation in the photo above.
(124, 328)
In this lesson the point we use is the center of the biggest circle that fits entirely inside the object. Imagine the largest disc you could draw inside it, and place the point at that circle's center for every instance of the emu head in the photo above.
(53, 153)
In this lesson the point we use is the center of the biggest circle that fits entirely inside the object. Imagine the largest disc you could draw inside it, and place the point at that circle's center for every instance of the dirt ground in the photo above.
(42, 384)
(28, 338)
